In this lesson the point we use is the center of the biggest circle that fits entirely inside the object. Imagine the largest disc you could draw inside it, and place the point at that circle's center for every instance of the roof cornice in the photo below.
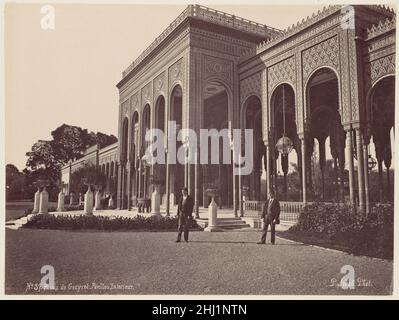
(205, 14)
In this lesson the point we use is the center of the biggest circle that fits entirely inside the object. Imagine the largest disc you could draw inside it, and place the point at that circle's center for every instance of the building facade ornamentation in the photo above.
(220, 60)
(283, 71)
(324, 54)
(250, 86)
(176, 73)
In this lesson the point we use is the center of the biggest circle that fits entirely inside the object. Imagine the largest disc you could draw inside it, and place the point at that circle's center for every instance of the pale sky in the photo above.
(68, 75)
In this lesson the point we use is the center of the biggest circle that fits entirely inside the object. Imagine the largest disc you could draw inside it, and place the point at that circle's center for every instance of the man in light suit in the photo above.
(185, 214)
(270, 216)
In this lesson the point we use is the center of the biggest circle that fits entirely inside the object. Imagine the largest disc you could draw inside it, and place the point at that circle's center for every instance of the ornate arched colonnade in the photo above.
(327, 84)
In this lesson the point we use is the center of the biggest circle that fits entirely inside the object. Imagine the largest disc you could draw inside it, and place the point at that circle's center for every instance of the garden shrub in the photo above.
(80, 222)
(361, 233)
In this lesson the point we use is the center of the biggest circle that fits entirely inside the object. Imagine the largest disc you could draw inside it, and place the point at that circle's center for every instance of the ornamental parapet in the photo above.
(208, 15)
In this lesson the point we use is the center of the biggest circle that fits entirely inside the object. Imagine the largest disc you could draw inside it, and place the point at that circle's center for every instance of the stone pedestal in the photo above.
(172, 200)
(61, 201)
(212, 217)
(36, 202)
(71, 199)
(172, 206)
(88, 206)
(43, 207)
(111, 202)
(97, 201)
(155, 202)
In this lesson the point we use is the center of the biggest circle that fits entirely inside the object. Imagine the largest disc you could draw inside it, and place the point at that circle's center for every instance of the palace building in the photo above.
(326, 85)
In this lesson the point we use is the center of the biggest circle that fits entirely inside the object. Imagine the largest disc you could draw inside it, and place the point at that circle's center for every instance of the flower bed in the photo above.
(80, 222)
(341, 226)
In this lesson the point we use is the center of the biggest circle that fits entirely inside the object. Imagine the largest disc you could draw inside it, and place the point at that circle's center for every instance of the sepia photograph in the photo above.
(197, 150)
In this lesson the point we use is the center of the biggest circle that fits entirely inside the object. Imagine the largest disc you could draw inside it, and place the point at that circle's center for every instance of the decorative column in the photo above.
(380, 179)
(284, 166)
(274, 180)
(388, 194)
(204, 182)
(360, 169)
(303, 154)
(43, 206)
(252, 184)
(241, 145)
(128, 184)
(140, 174)
(220, 184)
(145, 183)
(299, 160)
(133, 187)
(226, 174)
(119, 189)
(196, 193)
(233, 164)
(234, 192)
(349, 160)
(186, 178)
(387, 162)
(123, 188)
(172, 186)
(366, 174)
(240, 200)
(167, 182)
(268, 182)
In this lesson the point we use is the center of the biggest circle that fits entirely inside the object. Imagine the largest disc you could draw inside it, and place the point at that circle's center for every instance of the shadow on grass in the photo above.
(325, 242)
(311, 239)
(94, 230)
(249, 242)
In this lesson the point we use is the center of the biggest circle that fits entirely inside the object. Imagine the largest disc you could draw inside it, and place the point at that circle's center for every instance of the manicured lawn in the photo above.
(15, 209)
(211, 263)
(312, 239)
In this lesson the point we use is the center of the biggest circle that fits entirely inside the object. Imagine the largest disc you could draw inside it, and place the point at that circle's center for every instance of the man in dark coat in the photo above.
(270, 216)
(185, 214)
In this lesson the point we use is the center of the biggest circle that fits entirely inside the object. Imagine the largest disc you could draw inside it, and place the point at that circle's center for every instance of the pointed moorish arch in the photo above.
(283, 122)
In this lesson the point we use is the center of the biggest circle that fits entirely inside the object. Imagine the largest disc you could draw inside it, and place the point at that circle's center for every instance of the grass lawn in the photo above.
(318, 239)
(15, 209)
(94, 262)
(312, 239)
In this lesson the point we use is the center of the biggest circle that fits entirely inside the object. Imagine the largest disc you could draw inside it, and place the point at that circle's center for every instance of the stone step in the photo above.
(13, 226)
(223, 218)
(225, 223)
(234, 227)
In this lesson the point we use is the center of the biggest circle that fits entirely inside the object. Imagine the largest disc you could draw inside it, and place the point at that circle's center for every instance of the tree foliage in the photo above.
(46, 157)
(87, 175)
(15, 183)
(70, 142)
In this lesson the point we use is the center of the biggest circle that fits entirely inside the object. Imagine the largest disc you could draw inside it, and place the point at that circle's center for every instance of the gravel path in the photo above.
(211, 263)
